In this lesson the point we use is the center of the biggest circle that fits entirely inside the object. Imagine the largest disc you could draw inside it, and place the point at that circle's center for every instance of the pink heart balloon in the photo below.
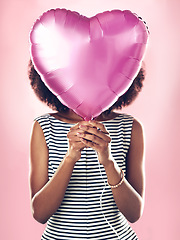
(88, 63)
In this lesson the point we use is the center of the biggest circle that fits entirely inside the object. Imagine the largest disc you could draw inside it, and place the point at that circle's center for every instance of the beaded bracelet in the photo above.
(121, 181)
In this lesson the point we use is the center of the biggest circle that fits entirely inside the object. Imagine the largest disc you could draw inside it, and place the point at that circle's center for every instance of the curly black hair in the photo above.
(46, 96)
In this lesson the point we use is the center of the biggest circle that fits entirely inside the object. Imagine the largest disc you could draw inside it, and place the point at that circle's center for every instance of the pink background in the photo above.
(157, 108)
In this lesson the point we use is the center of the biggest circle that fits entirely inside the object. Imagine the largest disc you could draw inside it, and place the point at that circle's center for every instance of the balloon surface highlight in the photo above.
(88, 63)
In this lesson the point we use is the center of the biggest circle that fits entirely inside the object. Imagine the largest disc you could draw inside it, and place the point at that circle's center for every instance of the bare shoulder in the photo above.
(137, 137)
(38, 159)
(135, 158)
(137, 128)
(38, 141)
(36, 128)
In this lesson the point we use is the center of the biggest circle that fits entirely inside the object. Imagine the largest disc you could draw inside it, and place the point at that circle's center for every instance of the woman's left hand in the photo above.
(94, 134)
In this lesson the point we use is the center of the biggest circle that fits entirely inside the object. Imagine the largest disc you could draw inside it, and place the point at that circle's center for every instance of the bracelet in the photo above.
(121, 181)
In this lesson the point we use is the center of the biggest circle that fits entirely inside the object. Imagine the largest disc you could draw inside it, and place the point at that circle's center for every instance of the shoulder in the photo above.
(37, 131)
(43, 121)
(131, 124)
(137, 135)
(136, 124)
(137, 128)
(125, 119)
(41, 127)
(43, 117)
(39, 134)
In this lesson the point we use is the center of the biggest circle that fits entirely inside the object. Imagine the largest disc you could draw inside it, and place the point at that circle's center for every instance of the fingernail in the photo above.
(80, 134)
(82, 126)
(91, 121)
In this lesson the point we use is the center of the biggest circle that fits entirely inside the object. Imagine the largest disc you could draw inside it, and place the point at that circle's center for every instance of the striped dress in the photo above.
(88, 210)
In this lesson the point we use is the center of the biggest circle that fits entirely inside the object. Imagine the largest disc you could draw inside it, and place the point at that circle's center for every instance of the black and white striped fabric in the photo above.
(88, 210)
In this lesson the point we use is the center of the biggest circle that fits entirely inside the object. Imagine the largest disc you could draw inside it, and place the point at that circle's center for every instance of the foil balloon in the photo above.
(88, 63)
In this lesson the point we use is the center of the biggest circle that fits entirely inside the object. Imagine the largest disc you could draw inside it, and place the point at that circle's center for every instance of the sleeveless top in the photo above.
(88, 210)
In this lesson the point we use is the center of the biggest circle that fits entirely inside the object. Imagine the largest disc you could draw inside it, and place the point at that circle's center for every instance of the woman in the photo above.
(86, 178)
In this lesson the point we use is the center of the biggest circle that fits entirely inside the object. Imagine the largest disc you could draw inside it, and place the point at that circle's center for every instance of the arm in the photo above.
(129, 196)
(46, 196)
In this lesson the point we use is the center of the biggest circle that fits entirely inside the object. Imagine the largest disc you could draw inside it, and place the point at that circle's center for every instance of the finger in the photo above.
(92, 138)
(73, 131)
(76, 126)
(73, 135)
(95, 132)
(94, 124)
(85, 123)
(74, 138)
(89, 144)
(99, 125)
(77, 145)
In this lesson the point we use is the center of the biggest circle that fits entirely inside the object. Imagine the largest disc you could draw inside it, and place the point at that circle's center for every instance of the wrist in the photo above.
(109, 164)
(70, 159)
(115, 175)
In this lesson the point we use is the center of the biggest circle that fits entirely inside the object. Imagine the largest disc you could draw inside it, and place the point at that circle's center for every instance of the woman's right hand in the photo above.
(75, 145)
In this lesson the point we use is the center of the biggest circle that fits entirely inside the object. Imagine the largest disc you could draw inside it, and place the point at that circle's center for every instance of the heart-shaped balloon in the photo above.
(88, 63)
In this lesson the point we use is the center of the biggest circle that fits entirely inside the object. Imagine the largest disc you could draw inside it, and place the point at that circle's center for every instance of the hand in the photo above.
(75, 144)
(94, 134)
